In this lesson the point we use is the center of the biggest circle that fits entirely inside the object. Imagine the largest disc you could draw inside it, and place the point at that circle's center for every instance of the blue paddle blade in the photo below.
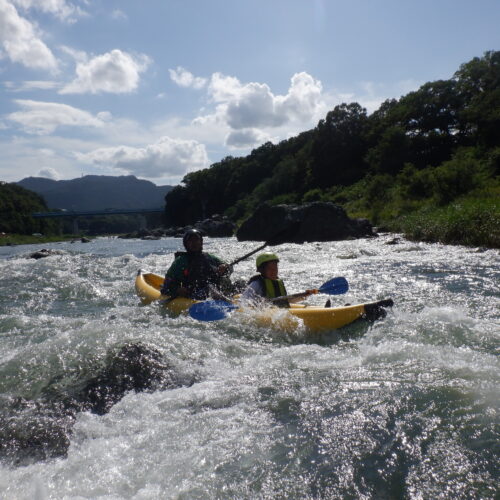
(211, 310)
(335, 286)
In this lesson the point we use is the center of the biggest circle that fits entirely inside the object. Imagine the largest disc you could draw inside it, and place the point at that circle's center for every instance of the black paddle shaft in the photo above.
(277, 239)
(248, 254)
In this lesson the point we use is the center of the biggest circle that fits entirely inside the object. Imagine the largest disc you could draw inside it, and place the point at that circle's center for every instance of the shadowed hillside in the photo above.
(98, 192)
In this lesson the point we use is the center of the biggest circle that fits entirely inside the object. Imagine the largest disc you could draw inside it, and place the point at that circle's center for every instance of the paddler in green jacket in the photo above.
(266, 284)
(195, 273)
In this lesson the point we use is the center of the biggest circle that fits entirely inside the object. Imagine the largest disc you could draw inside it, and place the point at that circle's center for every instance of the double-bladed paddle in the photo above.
(214, 310)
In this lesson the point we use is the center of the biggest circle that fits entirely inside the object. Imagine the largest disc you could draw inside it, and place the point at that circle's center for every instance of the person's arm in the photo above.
(223, 269)
(302, 296)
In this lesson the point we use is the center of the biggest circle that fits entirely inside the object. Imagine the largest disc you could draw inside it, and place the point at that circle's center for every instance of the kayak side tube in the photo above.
(318, 319)
(148, 286)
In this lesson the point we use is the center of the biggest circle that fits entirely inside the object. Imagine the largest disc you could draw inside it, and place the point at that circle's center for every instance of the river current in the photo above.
(405, 407)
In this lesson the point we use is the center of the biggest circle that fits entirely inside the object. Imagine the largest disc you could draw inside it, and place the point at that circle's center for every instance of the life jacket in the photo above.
(272, 289)
(199, 274)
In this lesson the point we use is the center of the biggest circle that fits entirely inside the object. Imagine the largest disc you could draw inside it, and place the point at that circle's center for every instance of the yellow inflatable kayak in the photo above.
(314, 318)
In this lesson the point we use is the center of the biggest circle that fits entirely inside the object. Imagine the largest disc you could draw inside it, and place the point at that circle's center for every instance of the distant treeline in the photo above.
(428, 160)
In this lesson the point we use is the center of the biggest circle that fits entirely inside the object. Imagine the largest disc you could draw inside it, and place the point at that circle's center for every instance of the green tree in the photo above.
(478, 84)
(339, 147)
(391, 152)
(430, 119)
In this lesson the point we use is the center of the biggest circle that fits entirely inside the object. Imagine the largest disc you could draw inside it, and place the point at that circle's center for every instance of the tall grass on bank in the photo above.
(468, 222)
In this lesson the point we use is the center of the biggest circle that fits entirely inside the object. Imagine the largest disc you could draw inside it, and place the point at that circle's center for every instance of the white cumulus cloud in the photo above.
(20, 41)
(302, 100)
(39, 117)
(224, 88)
(166, 158)
(254, 105)
(246, 138)
(62, 9)
(48, 173)
(115, 72)
(184, 78)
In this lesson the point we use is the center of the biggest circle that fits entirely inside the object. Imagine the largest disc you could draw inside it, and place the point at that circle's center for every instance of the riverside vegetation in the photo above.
(426, 165)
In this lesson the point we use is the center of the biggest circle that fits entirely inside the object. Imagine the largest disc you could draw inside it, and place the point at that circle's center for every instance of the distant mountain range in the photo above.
(98, 192)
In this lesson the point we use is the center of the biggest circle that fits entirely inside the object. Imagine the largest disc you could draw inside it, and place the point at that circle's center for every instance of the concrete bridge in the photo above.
(74, 214)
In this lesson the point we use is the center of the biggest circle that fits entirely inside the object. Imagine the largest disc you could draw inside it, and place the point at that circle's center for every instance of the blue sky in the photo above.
(160, 88)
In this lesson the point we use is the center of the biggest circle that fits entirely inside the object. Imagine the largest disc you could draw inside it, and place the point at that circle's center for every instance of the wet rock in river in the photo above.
(44, 252)
(31, 431)
(135, 367)
(35, 430)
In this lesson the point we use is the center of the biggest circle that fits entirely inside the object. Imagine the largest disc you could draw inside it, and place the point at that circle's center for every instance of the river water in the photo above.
(405, 407)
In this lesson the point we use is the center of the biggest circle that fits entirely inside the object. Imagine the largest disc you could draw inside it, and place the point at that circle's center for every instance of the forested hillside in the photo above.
(420, 163)
(16, 206)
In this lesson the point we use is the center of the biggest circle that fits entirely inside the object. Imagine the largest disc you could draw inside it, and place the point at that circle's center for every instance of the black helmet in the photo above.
(189, 233)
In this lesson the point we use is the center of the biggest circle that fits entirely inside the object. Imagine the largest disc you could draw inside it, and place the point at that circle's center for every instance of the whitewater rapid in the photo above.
(406, 407)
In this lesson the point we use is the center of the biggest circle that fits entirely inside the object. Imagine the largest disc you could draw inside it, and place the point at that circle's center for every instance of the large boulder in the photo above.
(316, 221)
(40, 429)
(135, 367)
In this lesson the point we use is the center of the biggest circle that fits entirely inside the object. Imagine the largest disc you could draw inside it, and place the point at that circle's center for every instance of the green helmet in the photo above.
(266, 257)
